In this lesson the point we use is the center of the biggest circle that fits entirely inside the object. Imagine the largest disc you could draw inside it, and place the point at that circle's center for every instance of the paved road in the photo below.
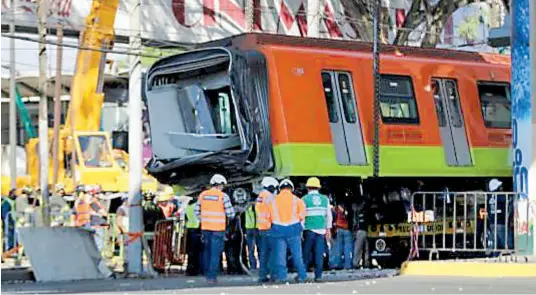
(393, 285)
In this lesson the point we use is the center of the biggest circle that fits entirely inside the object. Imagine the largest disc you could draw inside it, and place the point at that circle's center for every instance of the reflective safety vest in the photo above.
(83, 213)
(317, 206)
(264, 198)
(212, 210)
(250, 218)
(286, 209)
(191, 219)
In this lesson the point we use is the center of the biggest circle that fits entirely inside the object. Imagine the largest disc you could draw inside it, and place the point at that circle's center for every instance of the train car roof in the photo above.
(260, 39)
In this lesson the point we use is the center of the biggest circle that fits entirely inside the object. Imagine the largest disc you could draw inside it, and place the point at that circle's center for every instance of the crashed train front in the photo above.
(208, 112)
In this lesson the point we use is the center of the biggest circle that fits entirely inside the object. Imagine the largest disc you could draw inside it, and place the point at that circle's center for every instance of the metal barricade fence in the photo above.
(169, 244)
(467, 222)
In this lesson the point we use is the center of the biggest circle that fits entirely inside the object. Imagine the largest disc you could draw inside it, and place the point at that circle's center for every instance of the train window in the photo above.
(347, 95)
(440, 107)
(454, 103)
(495, 104)
(330, 99)
(397, 101)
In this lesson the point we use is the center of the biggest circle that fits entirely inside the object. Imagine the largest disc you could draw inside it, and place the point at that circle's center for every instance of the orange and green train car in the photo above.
(260, 104)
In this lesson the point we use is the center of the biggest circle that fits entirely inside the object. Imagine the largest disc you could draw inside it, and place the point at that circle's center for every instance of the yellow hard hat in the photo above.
(164, 197)
(168, 190)
(313, 182)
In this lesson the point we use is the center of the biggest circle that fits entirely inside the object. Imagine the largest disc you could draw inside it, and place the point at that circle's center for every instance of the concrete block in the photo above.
(62, 253)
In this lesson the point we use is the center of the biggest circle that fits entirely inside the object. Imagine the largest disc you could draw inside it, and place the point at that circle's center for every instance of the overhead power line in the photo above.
(82, 47)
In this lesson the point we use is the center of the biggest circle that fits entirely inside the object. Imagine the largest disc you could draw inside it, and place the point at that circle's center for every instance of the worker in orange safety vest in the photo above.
(267, 195)
(212, 206)
(286, 213)
(90, 214)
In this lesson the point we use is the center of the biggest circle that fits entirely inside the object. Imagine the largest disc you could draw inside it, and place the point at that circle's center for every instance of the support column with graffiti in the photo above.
(524, 119)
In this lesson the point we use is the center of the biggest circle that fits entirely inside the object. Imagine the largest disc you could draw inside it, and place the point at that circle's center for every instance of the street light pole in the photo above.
(134, 248)
(57, 105)
(12, 103)
(43, 110)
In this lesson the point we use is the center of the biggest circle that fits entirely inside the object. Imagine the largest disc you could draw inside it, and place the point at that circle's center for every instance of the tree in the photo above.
(422, 12)
(468, 28)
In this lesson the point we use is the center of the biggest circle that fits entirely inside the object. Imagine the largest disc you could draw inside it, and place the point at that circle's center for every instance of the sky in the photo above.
(27, 59)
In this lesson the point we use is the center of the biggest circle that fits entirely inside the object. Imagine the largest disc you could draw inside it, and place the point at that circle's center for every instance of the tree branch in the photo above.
(359, 17)
(412, 20)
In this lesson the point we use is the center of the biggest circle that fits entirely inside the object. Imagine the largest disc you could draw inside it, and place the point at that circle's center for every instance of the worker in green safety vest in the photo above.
(194, 247)
(252, 234)
(318, 222)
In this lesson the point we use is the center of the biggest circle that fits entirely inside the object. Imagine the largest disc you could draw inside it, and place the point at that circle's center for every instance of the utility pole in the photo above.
(43, 110)
(12, 103)
(134, 248)
(377, 77)
(57, 104)
(250, 15)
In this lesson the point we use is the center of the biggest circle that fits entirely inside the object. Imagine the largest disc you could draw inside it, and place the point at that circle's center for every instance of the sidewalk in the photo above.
(173, 282)
(506, 266)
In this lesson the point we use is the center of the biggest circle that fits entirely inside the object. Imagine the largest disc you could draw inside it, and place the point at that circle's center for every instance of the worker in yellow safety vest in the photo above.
(211, 208)
(252, 234)
(194, 247)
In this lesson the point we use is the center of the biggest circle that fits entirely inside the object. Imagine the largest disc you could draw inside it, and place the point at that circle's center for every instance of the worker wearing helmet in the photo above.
(252, 233)
(211, 208)
(318, 221)
(500, 217)
(90, 214)
(235, 246)
(194, 246)
(267, 195)
(24, 207)
(164, 204)
(60, 211)
(287, 212)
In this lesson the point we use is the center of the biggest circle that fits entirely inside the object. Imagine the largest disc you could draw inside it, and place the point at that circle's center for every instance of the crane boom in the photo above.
(85, 153)
(87, 94)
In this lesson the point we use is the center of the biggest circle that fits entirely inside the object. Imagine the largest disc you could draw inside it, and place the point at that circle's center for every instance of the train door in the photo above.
(344, 118)
(451, 124)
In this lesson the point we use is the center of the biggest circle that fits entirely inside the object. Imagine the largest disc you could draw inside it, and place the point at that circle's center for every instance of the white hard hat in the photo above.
(494, 184)
(269, 181)
(218, 179)
(286, 182)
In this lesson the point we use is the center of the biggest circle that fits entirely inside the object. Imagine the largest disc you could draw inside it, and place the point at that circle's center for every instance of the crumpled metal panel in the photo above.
(249, 93)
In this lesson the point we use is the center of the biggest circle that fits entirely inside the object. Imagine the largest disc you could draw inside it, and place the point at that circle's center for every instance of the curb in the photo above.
(17, 275)
(468, 269)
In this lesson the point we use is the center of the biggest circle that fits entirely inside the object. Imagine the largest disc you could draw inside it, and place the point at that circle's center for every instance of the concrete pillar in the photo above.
(524, 119)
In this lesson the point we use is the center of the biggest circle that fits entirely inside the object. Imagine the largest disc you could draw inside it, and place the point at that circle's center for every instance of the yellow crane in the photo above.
(85, 154)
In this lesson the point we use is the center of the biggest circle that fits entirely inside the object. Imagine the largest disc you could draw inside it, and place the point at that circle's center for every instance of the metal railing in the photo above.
(169, 244)
(169, 247)
(467, 222)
